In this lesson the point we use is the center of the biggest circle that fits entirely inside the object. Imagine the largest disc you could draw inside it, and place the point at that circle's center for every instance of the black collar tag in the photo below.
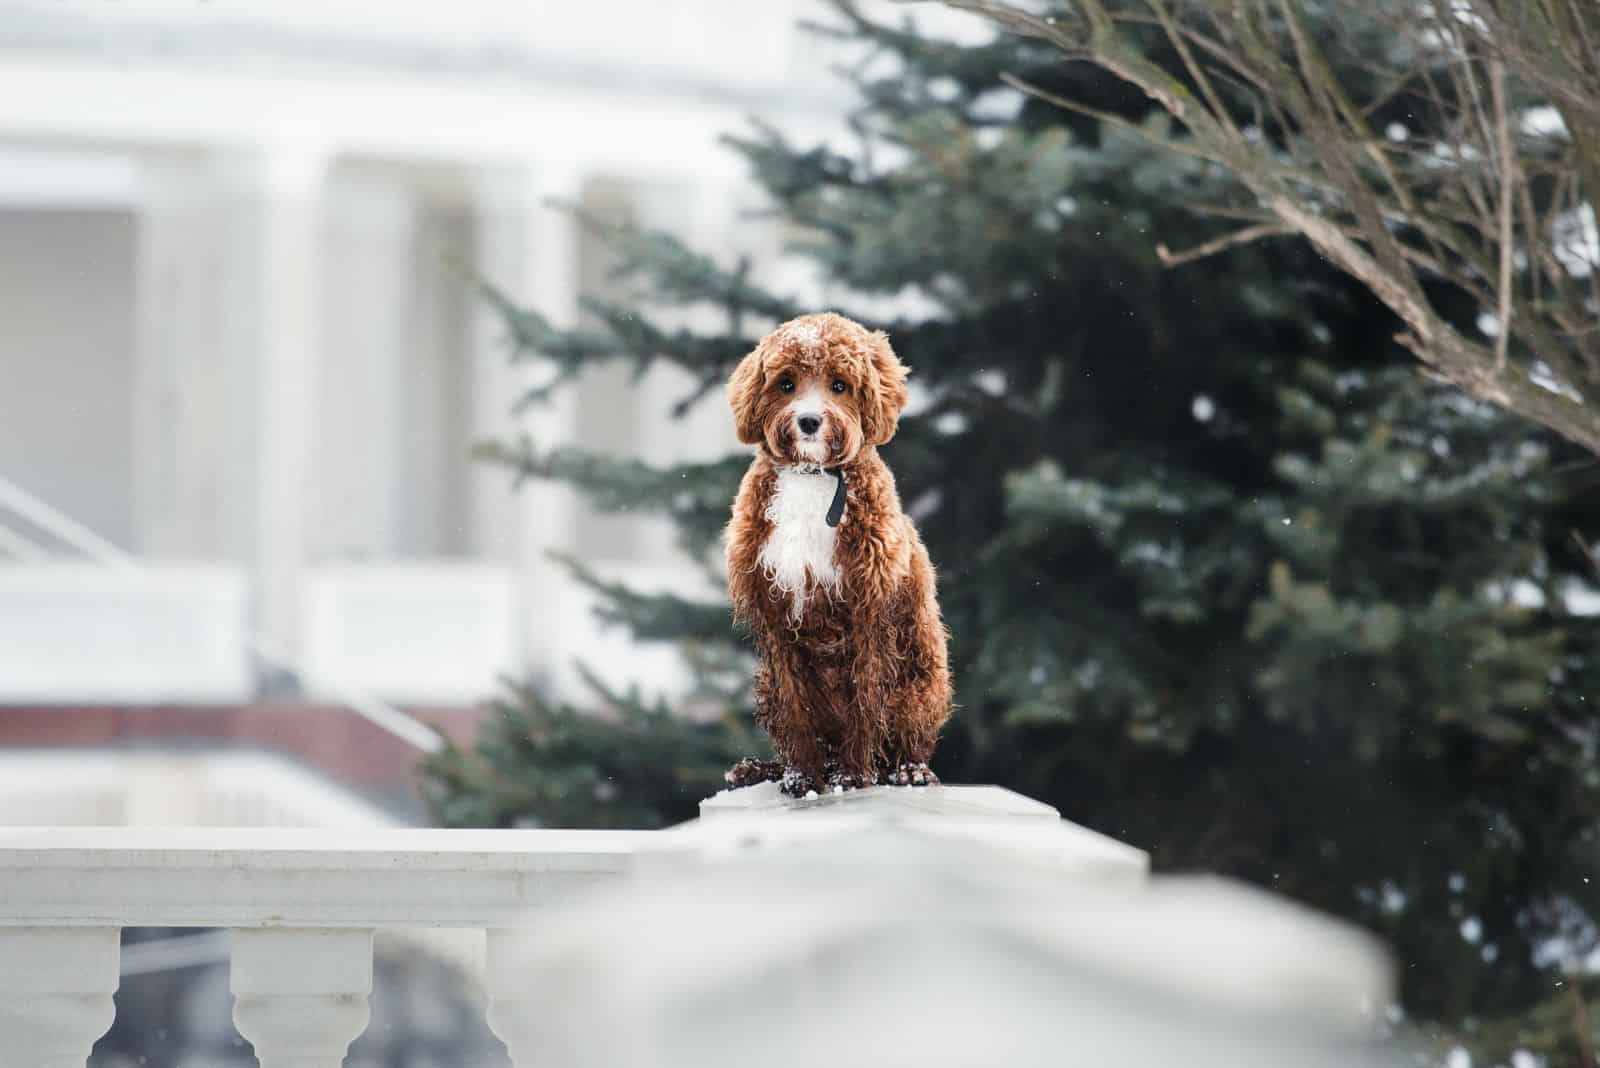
(836, 509)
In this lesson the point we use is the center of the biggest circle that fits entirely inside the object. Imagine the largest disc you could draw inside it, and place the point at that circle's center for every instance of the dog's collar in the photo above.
(836, 506)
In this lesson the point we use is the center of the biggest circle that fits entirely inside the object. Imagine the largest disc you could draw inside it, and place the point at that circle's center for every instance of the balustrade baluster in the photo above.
(300, 994)
(512, 1016)
(56, 987)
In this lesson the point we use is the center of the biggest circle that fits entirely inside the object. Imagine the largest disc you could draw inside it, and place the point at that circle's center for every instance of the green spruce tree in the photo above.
(1225, 577)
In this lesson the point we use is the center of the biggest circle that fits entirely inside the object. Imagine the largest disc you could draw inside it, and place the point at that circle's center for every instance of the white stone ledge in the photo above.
(1013, 828)
(295, 877)
(973, 802)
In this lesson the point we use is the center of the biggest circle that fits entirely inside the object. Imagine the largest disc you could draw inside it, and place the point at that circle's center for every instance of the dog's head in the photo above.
(817, 390)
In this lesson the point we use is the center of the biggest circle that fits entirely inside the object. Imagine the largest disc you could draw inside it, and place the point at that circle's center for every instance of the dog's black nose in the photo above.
(809, 424)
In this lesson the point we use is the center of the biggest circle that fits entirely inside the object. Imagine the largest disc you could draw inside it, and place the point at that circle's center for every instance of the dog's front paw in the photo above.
(750, 771)
(840, 781)
(911, 775)
(797, 783)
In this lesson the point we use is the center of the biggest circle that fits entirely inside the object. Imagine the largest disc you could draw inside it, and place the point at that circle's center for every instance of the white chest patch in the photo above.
(798, 556)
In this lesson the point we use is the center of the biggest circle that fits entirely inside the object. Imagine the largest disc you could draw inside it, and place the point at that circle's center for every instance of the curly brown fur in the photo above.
(852, 683)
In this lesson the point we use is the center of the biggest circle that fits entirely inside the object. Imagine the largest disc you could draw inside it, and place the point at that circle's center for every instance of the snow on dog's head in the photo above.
(817, 390)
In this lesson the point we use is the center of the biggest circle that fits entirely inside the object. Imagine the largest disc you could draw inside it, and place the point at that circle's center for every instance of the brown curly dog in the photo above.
(826, 569)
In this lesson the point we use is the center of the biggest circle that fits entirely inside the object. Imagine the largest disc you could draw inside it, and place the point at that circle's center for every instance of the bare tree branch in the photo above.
(1508, 186)
(1216, 245)
(1106, 117)
(1467, 197)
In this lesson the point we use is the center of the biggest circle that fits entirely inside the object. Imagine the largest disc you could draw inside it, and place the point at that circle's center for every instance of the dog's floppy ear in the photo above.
(744, 396)
(884, 392)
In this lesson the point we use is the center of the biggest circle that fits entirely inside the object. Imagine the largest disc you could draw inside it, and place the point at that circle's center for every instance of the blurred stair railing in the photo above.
(863, 921)
(58, 525)
(44, 568)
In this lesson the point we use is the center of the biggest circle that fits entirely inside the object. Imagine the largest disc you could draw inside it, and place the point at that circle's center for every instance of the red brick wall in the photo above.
(330, 739)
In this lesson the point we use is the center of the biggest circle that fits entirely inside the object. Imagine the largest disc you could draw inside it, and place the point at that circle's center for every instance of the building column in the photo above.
(182, 363)
(275, 294)
(529, 249)
(500, 206)
(358, 432)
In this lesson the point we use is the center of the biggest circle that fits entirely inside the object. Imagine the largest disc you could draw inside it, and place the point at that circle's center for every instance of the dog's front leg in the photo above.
(863, 752)
(786, 713)
(874, 671)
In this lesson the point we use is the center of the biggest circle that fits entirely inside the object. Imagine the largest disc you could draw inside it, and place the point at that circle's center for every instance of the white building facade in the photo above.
(241, 362)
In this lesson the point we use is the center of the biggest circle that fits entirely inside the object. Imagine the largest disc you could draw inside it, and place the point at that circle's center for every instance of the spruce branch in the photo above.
(656, 617)
(694, 495)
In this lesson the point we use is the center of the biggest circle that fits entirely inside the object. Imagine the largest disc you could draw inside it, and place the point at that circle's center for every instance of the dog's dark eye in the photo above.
(841, 386)
(786, 386)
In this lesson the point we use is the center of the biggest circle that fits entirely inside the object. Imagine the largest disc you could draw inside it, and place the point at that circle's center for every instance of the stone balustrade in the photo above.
(635, 927)
(302, 906)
